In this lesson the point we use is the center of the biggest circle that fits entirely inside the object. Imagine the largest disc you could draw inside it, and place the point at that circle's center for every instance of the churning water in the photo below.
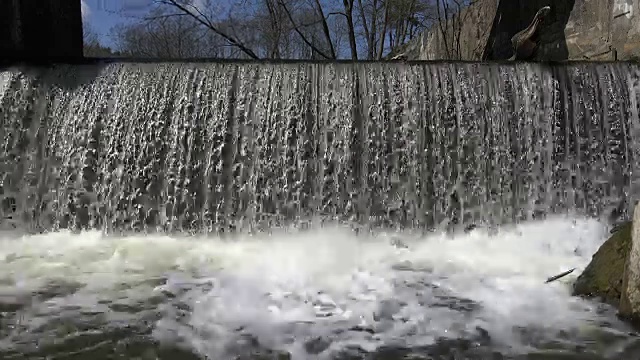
(305, 210)
(315, 294)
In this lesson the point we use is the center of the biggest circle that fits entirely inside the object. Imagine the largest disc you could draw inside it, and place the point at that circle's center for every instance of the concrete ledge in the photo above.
(98, 61)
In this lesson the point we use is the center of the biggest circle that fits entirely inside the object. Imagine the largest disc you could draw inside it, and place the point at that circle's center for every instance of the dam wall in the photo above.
(218, 147)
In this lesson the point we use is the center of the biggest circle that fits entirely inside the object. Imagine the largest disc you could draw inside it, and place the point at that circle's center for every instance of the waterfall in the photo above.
(250, 146)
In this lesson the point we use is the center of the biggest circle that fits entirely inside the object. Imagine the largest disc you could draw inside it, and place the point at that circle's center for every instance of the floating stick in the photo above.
(559, 276)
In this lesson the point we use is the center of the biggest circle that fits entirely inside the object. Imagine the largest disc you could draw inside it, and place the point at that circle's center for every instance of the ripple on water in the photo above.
(317, 294)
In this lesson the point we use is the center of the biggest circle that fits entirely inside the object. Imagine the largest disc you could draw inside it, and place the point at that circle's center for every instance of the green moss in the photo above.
(603, 276)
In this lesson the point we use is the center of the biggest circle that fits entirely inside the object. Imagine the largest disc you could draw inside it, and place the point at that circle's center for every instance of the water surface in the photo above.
(319, 294)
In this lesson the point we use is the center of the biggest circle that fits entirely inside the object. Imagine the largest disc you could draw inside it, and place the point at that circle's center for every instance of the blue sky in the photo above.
(102, 15)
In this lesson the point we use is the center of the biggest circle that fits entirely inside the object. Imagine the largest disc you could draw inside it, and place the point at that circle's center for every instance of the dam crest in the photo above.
(218, 147)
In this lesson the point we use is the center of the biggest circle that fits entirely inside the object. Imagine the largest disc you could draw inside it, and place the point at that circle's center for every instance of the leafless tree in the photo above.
(406, 18)
(282, 29)
(201, 13)
(305, 27)
(92, 46)
(163, 35)
(275, 24)
(387, 24)
(451, 19)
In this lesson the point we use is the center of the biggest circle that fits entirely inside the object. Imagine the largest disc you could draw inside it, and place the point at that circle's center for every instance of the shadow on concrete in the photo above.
(513, 16)
(63, 76)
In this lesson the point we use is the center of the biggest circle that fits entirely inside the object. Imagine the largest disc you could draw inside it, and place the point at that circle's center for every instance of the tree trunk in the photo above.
(348, 9)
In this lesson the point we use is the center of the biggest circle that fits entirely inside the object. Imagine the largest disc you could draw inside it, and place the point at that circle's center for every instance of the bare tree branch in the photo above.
(337, 13)
(163, 16)
(302, 36)
(280, 29)
(385, 24)
(204, 20)
(325, 29)
(365, 26)
(348, 9)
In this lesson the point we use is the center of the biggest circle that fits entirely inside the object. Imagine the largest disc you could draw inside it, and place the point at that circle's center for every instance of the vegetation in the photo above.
(93, 47)
(603, 276)
(278, 29)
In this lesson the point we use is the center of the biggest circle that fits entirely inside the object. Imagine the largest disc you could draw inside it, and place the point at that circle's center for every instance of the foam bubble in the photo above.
(317, 292)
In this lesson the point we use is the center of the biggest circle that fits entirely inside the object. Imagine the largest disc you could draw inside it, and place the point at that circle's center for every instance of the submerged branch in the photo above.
(559, 276)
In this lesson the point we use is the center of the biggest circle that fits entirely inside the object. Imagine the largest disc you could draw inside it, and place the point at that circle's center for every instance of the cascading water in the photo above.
(139, 155)
(214, 147)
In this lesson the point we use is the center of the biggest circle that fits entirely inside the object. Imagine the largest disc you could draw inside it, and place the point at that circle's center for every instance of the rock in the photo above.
(525, 41)
(630, 300)
(574, 30)
(603, 277)
(614, 272)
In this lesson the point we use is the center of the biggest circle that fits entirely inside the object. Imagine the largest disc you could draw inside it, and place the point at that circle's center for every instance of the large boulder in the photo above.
(603, 277)
(630, 300)
(614, 272)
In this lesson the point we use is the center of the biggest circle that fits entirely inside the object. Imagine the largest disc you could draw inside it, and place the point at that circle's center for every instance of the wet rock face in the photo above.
(603, 277)
(515, 17)
(614, 272)
(630, 299)
(525, 41)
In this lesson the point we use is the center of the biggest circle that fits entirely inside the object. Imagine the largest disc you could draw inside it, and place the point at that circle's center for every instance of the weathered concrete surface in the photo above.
(471, 28)
(575, 30)
(40, 30)
(630, 299)
(604, 30)
(603, 277)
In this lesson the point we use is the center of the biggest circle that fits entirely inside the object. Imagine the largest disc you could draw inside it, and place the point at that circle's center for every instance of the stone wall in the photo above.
(471, 27)
(574, 30)
(604, 30)
(40, 30)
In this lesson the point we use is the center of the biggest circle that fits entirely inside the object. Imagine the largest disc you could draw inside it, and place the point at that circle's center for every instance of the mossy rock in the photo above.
(603, 276)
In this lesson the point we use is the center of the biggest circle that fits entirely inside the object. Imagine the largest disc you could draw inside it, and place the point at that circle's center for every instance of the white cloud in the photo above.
(86, 10)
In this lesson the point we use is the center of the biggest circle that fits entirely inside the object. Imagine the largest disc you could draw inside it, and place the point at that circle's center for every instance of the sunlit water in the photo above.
(239, 148)
(322, 294)
(214, 147)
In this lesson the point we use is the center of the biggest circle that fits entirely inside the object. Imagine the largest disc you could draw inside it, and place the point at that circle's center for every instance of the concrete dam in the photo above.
(243, 146)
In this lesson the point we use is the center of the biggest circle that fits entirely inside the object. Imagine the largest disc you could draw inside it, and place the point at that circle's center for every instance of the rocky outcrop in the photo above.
(40, 30)
(525, 42)
(604, 30)
(513, 16)
(602, 278)
(471, 27)
(630, 299)
(574, 30)
(613, 275)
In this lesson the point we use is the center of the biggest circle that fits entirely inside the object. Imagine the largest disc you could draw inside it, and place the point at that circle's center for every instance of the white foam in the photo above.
(289, 288)
(5, 80)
